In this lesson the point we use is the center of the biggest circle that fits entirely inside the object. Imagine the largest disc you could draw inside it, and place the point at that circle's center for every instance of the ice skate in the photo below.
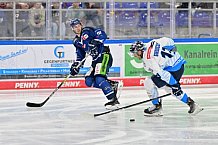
(112, 104)
(116, 86)
(194, 107)
(155, 110)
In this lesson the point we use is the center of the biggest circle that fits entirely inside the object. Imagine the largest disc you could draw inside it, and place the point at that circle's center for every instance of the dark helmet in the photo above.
(74, 22)
(138, 45)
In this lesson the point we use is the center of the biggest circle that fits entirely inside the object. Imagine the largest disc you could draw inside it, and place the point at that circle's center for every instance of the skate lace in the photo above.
(115, 85)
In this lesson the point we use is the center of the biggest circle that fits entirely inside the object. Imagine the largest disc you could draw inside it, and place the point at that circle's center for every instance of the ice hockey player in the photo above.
(161, 58)
(89, 40)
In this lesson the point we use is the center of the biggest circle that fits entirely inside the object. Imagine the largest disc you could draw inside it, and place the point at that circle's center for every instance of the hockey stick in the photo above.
(119, 90)
(29, 104)
(128, 106)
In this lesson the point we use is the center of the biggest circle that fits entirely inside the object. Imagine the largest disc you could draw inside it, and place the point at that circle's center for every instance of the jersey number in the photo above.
(164, 53)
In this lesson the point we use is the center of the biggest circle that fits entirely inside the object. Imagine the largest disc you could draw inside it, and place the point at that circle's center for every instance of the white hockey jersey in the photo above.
(159, 59)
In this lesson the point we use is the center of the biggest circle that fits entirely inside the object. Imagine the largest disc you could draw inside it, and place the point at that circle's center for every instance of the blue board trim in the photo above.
(36, 71)
(59, 42)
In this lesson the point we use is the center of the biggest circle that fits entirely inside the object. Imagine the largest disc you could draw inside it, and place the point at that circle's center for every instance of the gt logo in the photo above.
(59, 52)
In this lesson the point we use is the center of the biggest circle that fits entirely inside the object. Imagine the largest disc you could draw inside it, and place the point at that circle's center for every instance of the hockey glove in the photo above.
(74, 70)
(176, 89)
(96, 42)
(76, 42)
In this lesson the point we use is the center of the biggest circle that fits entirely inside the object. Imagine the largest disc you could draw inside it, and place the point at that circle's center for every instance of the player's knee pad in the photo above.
(176, 93)
(104, 85)
(89, 81)
(150, 88)
(99, 80)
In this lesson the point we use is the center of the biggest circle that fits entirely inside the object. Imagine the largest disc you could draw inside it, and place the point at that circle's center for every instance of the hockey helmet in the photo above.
(137, 46)
(74, 22)
(168, 43)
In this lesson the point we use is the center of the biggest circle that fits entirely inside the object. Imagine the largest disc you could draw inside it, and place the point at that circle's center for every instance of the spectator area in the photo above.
(126, 19)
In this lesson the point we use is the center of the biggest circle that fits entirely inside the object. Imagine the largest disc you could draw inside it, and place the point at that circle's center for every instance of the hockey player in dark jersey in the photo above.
(89, 40)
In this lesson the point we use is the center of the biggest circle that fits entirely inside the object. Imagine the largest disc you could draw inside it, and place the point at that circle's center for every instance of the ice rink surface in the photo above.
(67, 119)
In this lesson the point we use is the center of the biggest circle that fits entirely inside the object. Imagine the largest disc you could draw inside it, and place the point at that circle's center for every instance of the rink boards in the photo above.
(79, 83)
(44, 64)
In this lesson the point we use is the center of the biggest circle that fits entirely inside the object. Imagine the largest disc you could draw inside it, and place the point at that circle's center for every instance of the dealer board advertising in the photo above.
(202, 59)
(44, 64)
(42, 61)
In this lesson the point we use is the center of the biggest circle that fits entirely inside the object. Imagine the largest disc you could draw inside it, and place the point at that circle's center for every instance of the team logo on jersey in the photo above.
(149, 52)
(84, 46)
(84, 37)
(99, 33)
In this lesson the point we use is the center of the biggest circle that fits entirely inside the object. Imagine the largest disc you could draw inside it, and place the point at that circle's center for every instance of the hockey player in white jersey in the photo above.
(160, 57)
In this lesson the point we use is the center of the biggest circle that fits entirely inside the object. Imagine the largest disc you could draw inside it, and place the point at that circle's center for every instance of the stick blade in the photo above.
(29, 104)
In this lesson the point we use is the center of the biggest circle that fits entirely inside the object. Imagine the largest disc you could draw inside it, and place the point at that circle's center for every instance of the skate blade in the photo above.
(197, 110)
(110, 107)
(154, 115)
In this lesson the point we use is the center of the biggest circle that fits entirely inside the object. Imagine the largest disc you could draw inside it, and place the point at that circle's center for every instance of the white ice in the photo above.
(67, 119)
